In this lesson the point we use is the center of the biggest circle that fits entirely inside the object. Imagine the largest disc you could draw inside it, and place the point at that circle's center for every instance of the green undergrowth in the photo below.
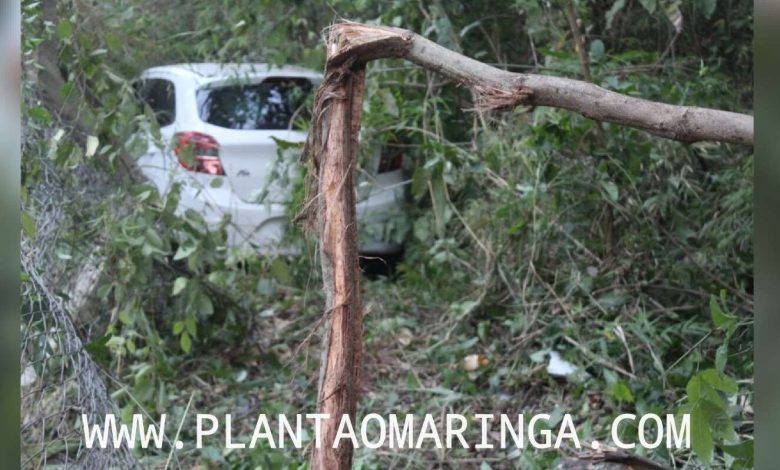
(525, 231)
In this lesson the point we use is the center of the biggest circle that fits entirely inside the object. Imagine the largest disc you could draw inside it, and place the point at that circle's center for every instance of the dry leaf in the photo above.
(405, 336)
(475, 361)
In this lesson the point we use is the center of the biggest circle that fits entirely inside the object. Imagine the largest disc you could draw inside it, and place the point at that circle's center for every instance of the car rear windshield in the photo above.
(272, 104)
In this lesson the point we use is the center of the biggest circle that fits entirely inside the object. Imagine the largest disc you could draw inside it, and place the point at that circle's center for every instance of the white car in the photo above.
(218, 123)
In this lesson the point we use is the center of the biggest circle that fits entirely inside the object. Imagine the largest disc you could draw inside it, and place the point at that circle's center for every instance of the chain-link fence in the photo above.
(60, 381)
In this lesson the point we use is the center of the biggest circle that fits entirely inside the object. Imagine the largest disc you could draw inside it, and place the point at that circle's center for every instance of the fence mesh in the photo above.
(60, 381)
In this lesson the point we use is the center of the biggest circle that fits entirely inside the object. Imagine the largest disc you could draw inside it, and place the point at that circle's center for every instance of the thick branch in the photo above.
(353, 41)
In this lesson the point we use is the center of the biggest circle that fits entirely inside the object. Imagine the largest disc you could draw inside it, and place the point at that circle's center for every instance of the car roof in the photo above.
(210, 71)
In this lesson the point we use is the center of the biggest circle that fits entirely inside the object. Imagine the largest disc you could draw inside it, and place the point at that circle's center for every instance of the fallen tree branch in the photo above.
(498, 88)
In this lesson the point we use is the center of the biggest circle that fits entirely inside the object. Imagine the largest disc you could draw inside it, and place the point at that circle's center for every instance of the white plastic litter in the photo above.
(559, 367)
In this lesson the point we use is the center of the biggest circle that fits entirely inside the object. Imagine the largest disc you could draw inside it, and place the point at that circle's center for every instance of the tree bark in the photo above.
(341, 361)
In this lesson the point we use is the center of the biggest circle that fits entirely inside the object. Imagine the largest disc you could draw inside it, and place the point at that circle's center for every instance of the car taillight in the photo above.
(390, 161)
(198, 152)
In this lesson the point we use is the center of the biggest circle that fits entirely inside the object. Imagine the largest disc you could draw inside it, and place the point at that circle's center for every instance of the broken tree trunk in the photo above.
(331, 152)
(334, 138)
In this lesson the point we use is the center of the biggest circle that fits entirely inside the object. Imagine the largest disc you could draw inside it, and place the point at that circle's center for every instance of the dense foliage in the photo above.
(525, 231)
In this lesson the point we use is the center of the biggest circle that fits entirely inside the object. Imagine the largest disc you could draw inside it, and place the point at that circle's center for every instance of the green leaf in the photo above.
(720, 318)
(126, 414)
(611, 189)
(721, 425)
(217, 183)
(112, 41)
(28, 224)
(103, 291)
(443, 28)
(483, 328)
(721, 356)
(422, 229)
(153, 238)
(388, 101)
(621, 392)
(719, 381)
(741, 451)
(185, 343)
(74, 156)
(613, 10)
(440, 207)
(115, 342)
(119, 292)
(64, 29)
(286, 144)
(280, 271)
(419, 183)
(178, 327)
(701, 437)
(205, 307)
(517, 227)
(124, 317)
(40, 113)
(98, 349)
(265, 287)
(184, 251)
(693, 389)
(649, 5)
(179, 284)
(706, 7)
(596, 52)
(189, 322)
(539, 356)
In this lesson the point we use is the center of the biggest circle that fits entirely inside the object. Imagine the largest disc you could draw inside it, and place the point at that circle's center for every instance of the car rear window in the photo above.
(160, 95)
(271, 104)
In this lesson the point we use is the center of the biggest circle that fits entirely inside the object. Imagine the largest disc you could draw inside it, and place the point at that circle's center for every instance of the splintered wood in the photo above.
(332, 154)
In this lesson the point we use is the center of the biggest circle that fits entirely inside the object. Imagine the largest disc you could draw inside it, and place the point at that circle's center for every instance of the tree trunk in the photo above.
(341, 361)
